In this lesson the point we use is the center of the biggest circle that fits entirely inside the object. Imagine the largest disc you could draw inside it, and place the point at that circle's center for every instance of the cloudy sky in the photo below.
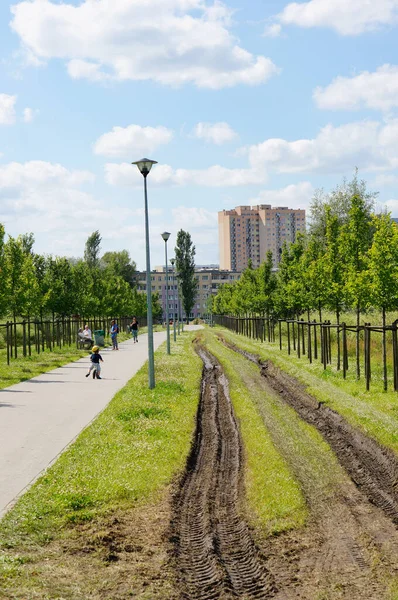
(239, 102)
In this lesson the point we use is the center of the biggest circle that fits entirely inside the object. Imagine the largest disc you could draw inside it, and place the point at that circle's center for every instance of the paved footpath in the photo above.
(40, 417)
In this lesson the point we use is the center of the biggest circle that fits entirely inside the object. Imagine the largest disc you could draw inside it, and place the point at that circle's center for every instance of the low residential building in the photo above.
(209, 280)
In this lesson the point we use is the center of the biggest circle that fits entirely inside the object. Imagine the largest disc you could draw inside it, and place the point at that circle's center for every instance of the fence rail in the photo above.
(37, 335)
(314, 340)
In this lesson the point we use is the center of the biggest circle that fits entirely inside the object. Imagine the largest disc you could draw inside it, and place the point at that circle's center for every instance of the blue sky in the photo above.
(240, 103)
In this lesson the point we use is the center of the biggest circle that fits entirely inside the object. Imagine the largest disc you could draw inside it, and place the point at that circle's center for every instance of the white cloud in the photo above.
(368, 145)
(385, 180)
(125, 174)
(186, 42)
(347, 17)
(58, 206)
(134, 141)
(378, 90)
(297, 195)
(37, 173)
(29, 114)
(390, 205)
(192, 218)
(216, 133)
(50, 200)
(274, 30)
(7, 109)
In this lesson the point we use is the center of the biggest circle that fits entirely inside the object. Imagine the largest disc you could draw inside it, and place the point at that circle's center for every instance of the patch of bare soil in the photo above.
(350, 547)
(119, 557)
(215, 553)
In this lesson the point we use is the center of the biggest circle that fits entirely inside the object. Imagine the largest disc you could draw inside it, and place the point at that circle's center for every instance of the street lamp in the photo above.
(145, 165)
(165, 235)
(172, 260)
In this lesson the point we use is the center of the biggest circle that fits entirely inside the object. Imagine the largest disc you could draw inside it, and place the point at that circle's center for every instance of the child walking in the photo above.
(95, 366)
(134, 329)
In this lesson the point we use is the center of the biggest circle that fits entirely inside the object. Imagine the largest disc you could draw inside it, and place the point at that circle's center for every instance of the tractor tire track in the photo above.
(215, 553)
(372, 468)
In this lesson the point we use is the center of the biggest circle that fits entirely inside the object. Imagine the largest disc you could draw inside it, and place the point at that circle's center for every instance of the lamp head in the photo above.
(165, 235)
(172, 260)
(145, 165)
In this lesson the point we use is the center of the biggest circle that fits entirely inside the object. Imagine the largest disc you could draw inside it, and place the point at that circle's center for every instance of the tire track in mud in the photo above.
(349, 547)
(215, 553)
(372, 468)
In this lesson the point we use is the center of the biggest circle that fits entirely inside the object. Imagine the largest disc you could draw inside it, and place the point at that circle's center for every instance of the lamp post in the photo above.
(172, 260)
(165, 235)
(145, 165)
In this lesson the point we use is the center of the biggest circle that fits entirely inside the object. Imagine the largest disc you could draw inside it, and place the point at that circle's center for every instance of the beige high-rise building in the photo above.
(248, 232)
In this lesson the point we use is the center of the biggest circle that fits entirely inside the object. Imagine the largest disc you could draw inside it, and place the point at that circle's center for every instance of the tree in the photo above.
(185, 268)
(267, 279)
(3, 280)
(92, 249)
(290, 296)
(383, 272)
(356, 239)
(338, 204)
(27, 241)
(120, 264)
(61, 295)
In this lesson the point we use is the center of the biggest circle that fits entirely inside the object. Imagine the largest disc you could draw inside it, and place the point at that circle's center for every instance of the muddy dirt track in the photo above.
(372, 468)
(216, 554)
(349, 547)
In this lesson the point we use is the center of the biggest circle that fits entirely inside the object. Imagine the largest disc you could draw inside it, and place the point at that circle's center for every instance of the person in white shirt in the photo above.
(87, 332)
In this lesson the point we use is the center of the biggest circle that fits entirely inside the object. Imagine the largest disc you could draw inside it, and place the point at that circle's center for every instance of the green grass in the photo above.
(276, 502)
(124, 458)
(375, 412)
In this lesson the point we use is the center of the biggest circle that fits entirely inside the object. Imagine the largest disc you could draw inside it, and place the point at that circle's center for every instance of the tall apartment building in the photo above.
(248, 232)
(209, 280)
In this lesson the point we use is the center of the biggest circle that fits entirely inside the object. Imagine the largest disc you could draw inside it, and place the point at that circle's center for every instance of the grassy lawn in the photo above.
(124, 461)
(375, 412)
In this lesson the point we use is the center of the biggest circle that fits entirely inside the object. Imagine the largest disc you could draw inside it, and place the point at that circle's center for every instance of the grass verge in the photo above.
(122, 463)
(374, 412)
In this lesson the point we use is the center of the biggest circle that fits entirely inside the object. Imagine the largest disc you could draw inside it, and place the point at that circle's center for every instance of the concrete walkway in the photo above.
(40, 417)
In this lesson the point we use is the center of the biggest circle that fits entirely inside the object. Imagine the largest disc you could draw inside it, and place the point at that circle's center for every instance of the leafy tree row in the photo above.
(347, 260)
(34, 285)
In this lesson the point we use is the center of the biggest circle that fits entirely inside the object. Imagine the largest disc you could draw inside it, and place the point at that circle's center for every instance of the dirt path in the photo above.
(350, 547)
(216, 555)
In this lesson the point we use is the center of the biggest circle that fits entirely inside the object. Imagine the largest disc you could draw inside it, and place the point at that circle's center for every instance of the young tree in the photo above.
(3, 279)
(61, 294)
(383, 272)
(290, 296)
(92, 249)
(185, 268)
(356, 239)
(222, 301)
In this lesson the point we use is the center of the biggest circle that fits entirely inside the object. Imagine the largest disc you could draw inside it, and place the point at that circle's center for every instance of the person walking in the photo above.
(114, 334)
(95, 366)
(134, 329)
